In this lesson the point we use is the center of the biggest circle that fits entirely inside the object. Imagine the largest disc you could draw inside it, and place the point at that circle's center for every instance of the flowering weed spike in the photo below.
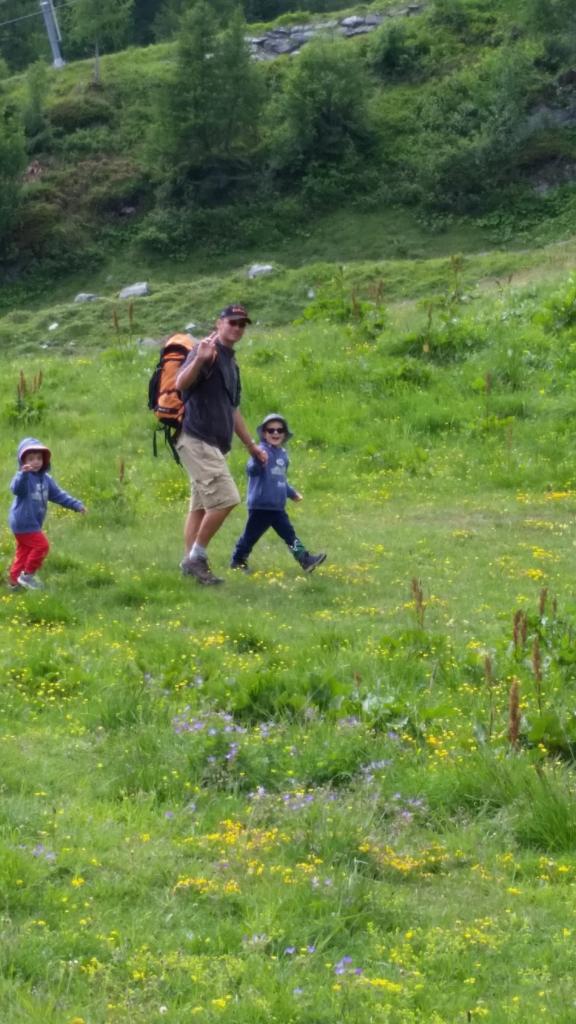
(419, 602)
(514, 714)
(537, 670)
(520, 629)
(489, 677)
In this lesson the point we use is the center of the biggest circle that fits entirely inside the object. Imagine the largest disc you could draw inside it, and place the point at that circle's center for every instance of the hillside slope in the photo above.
(465, 111)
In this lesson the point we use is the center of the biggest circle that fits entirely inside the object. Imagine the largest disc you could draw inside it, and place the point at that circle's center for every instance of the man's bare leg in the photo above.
(211, 523)
(195, 563)
(191, 527)
(202, 524)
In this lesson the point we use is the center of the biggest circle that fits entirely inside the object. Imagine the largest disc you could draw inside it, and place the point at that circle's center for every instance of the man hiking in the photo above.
(209, 382)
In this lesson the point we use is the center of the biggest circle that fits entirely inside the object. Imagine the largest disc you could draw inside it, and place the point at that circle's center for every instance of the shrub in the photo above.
(81, 111)
(397, 51)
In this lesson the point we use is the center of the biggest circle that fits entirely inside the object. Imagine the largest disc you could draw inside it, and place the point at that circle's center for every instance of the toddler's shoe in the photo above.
(309, 562)
(243, 566)
(30, 581)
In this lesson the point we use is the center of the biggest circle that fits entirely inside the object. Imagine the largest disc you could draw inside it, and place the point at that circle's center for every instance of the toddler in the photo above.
(268, 490)
(33, 488)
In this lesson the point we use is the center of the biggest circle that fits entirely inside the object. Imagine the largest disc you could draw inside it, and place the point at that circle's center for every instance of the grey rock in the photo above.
(352, 22)
(360, 30)
(258, 269)
(135, 291)
(280, 46)
(86, 297)
(304, 36)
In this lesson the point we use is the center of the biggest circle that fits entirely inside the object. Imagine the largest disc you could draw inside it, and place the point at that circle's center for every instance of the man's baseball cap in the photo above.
(235, 312)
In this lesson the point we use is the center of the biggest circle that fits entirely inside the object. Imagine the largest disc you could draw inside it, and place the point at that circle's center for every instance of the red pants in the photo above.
(31, 550)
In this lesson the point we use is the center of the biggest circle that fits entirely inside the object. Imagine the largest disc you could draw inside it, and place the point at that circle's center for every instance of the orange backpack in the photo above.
(164, 399)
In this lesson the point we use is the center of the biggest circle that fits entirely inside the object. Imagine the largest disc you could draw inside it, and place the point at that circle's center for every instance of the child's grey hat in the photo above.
(274, 416)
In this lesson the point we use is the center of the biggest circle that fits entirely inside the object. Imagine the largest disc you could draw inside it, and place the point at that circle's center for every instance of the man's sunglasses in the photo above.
(238, 323)
(275, 430)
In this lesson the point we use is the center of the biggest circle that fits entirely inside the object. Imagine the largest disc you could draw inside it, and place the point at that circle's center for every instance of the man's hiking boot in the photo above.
(243, 566)
(309, 562)
(30, 581)
(199, 568)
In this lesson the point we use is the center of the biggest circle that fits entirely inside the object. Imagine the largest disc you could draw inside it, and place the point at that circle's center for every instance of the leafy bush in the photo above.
(81, 111)
(559, 313)
(398, 51)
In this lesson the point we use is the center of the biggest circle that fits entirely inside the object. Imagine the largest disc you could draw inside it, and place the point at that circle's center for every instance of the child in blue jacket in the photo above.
(33, 488)
(268, 490)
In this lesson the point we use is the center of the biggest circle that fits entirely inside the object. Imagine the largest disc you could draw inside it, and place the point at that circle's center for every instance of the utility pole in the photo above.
(53, 31)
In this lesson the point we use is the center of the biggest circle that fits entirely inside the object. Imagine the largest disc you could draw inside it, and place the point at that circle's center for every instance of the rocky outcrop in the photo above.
(280, 41)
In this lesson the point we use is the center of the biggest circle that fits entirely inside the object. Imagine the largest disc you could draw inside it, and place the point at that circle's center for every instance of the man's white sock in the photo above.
(197, 551)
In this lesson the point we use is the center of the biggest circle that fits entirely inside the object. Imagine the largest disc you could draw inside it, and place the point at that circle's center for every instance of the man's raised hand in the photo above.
(207, 351)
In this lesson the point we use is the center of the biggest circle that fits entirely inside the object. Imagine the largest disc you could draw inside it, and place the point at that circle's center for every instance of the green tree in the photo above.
(12, 163)
(549, 16)
(210, 109)
(101, 23)
(145, 12)
(398, 51)
(36, 87)
(21, 42)
(320, 119)
(172, 13)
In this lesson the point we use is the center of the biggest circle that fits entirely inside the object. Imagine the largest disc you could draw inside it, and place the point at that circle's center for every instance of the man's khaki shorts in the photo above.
(212, 483)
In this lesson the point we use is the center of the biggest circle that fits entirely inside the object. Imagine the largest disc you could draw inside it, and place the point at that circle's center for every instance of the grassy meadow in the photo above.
(298, 799)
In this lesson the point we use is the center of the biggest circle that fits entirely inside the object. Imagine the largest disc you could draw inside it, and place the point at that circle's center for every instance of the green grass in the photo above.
(294, 798)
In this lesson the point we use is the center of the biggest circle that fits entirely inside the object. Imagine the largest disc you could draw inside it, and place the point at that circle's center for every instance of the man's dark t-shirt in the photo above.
(210, 403)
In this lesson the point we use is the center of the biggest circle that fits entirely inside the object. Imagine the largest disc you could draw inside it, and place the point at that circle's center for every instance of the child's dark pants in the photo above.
(260, 520)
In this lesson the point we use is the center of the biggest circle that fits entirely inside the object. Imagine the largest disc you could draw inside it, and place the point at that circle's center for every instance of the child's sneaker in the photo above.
(243, 566)
(309, 562)
(13, 587)
(30, 581)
